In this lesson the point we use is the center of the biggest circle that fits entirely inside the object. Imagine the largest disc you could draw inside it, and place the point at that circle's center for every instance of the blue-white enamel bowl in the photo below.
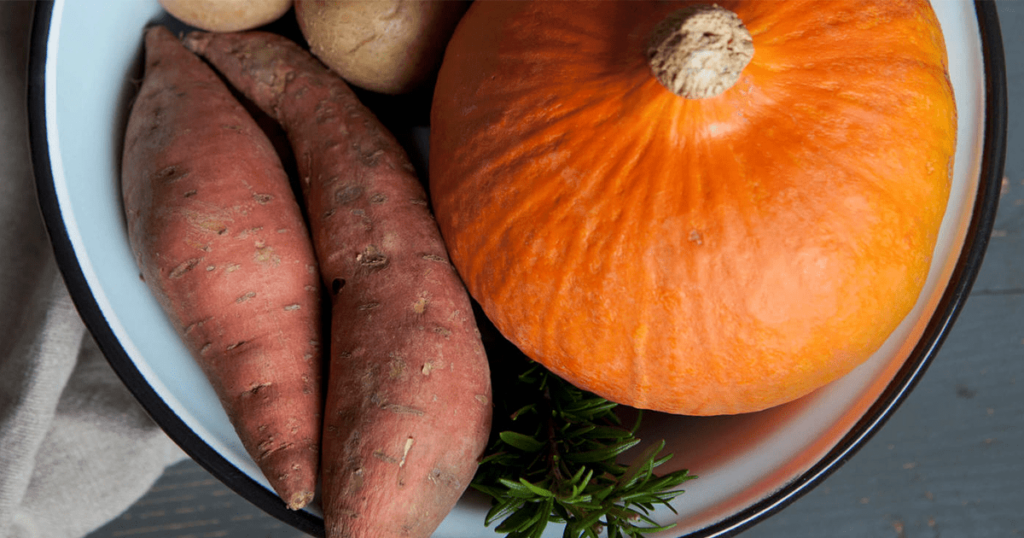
(85, 64)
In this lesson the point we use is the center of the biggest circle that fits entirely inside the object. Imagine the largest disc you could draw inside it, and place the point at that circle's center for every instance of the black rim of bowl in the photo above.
(949, 307)
(96, 322)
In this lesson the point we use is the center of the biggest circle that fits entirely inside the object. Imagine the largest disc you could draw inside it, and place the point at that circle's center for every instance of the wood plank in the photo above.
(187, 502)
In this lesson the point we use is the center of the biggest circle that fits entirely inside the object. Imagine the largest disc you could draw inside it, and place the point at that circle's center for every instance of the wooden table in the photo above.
(949, 464)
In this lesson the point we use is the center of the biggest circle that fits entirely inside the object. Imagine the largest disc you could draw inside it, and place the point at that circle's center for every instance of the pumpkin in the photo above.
(720, 250)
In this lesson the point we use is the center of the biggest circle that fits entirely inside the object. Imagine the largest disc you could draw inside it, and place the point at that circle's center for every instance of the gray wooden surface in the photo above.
(949, 464)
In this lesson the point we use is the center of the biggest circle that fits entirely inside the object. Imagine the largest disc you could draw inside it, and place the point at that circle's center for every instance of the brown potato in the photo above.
(388, 46)
(226, 15)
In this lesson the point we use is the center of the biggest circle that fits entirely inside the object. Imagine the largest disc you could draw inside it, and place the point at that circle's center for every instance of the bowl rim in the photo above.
(94, 320)
(948, 309)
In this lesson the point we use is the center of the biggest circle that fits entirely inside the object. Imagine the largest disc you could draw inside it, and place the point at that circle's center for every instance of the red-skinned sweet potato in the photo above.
(408, 400)
(221, 241)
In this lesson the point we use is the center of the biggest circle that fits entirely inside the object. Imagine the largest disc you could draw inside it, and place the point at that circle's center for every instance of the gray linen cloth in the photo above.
(76, 448)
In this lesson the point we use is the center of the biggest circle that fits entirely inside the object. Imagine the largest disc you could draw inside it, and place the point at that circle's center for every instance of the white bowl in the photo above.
(85, 65)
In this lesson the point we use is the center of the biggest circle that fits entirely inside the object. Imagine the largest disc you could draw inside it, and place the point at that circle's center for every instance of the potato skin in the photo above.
(226, 15)
(408, 409)
(220, 240)
(387, 46)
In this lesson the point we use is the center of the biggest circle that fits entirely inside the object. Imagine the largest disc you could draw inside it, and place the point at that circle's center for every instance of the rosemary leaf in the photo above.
(553, 458)
(522, 442)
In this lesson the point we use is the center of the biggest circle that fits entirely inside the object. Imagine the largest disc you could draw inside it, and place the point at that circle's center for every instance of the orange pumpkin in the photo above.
(695, 255)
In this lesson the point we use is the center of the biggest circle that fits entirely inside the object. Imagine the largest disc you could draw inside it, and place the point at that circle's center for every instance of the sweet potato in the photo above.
(409, 399)
(220, 239)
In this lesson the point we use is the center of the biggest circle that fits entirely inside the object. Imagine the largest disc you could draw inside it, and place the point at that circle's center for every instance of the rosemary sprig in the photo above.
(553, 458)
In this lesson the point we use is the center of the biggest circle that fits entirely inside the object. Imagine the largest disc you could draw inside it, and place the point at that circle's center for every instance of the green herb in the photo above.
(553, 458)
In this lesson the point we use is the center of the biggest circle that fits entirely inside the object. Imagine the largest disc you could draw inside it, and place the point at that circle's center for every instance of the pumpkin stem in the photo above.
(699, 51)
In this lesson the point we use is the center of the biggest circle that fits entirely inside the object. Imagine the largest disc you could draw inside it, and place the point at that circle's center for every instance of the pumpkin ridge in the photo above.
(583, 247)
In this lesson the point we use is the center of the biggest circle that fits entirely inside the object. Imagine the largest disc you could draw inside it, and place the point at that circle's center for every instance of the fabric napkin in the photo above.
(76, 448)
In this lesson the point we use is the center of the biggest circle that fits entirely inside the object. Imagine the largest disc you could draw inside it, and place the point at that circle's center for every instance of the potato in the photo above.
(387, 46)
(226, 15)
(408, 404)
(220, 240)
